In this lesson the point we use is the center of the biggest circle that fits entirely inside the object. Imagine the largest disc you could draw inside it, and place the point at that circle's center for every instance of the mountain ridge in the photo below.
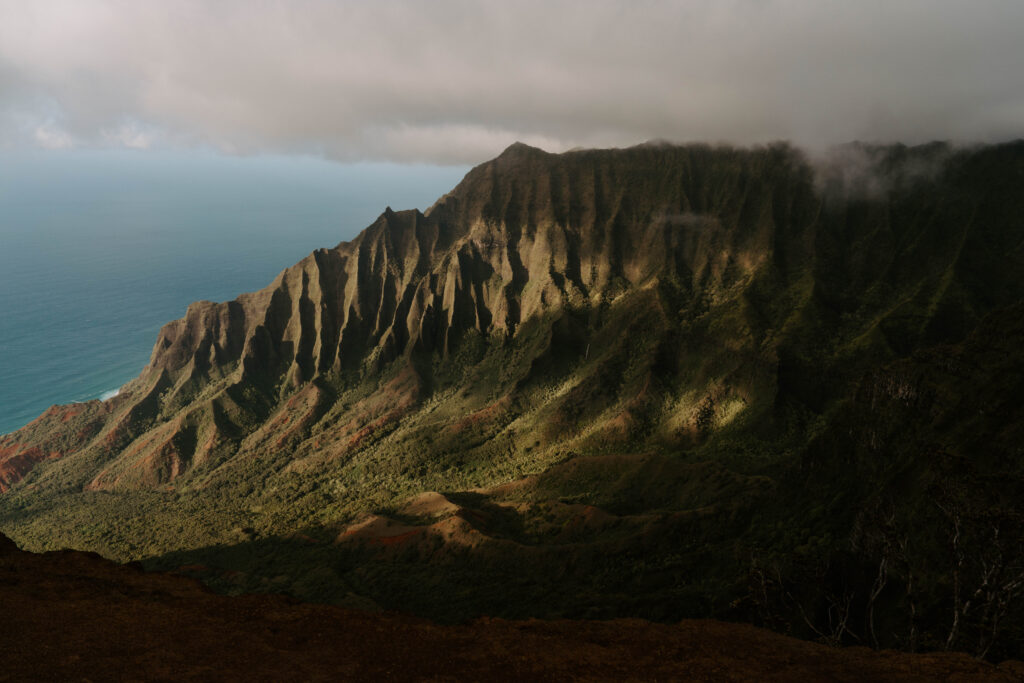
(645, 354)
(410, 281)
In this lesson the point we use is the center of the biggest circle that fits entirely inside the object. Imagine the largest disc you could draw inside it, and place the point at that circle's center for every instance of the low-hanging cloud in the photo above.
(455, 81)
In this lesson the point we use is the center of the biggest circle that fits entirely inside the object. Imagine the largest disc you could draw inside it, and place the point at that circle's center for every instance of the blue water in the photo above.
(99, 249)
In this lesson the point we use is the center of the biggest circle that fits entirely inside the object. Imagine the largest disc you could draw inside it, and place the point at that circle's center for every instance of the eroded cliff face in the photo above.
(522, 236)
(650, 235)
(657, 291)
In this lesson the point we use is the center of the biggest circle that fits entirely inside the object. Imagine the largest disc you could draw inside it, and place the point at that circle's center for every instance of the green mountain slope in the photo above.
(659, 381)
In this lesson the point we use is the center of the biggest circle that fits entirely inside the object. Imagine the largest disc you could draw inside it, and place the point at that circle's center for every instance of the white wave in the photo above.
(107, 395)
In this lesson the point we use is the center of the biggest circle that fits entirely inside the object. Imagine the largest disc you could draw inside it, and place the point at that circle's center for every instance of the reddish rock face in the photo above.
(71, 615)
(17, 459)
(59, 431)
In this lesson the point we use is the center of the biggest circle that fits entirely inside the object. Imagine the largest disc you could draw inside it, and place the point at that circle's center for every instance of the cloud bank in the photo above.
(455, 81)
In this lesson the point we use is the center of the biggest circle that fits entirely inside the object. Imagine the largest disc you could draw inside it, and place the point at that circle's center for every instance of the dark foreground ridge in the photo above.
(74, 616)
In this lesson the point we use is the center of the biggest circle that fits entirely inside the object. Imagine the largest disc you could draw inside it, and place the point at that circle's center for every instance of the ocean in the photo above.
(98, 249)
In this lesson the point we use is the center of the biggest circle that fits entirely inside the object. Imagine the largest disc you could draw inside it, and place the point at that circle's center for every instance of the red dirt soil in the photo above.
(75, 616)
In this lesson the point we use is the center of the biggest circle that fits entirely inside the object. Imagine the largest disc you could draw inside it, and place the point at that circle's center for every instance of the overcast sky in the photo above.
(452, 81)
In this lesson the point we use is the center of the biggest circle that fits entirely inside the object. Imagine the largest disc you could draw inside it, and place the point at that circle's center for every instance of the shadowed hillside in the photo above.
(72, 615)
